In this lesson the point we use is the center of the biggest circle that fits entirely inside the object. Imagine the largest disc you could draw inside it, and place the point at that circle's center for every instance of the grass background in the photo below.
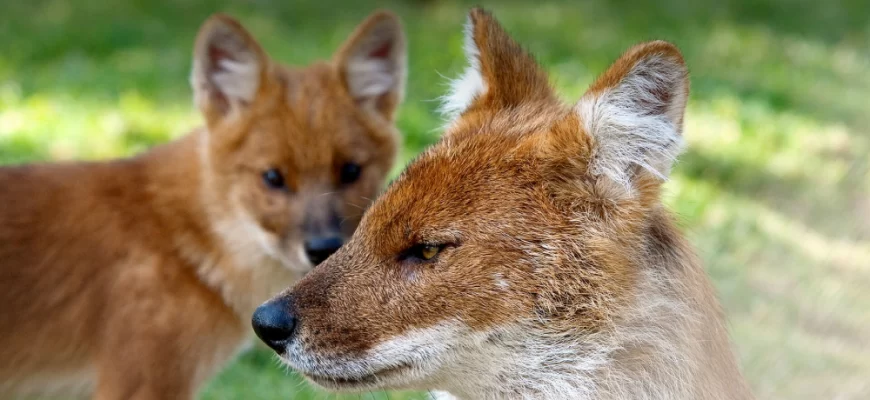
(773, 189)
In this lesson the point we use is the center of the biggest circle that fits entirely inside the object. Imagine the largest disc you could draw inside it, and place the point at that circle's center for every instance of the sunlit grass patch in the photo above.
(61, 127)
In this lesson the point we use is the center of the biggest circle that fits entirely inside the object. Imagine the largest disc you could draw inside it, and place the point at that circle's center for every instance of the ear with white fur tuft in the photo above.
(228, 68)
(634, 114)
(373, 63)
(500, 73)
(469, 86)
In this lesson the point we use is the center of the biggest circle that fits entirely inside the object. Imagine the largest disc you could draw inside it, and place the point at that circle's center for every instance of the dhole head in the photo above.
(292, 156)
(523, 225)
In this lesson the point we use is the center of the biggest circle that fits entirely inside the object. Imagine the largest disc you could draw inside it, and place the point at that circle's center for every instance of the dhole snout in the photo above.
(274, 323)
(322, 228)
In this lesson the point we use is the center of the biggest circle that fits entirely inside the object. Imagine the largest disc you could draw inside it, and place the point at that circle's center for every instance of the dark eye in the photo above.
(349, 173)
(423, 252)
(273, 179)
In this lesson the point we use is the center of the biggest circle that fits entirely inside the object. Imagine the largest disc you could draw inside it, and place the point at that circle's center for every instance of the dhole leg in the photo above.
(148, 353)
(138, 376)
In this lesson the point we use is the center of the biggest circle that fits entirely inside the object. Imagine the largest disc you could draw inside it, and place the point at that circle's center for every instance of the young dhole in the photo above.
(136, 278)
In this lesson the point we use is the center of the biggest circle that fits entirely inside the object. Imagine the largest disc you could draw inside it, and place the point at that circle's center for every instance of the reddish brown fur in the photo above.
(554, 281)
(116, 276)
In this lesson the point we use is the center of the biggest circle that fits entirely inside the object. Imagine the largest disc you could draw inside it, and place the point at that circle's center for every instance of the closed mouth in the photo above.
(348, 382)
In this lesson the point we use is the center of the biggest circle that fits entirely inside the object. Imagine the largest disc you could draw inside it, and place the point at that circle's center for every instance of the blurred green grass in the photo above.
(773, 188)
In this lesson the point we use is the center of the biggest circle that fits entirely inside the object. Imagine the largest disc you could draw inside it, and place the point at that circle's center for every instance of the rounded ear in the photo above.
(373, 64)
(634, 114)
(229, 67)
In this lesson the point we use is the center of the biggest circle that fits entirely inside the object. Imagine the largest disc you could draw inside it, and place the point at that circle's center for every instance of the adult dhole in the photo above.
(525, 256)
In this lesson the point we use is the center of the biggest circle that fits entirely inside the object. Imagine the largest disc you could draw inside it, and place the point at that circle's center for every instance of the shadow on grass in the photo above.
(801, 199)
(96, 49)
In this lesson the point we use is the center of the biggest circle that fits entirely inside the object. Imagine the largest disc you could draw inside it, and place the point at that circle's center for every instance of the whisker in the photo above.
(357, 206)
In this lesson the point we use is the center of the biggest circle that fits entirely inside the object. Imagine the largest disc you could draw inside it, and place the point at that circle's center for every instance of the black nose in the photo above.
(319, 249)
(274, 323)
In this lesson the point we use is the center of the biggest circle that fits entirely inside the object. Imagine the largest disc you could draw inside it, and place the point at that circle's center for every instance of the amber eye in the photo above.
(427, 252)
(422, 252)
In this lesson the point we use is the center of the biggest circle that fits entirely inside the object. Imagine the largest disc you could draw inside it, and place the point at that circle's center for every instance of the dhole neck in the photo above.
(668, 342)
(182, 195)
(175, 178)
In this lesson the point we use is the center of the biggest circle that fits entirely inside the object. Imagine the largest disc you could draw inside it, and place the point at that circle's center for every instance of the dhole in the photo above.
(136, 278)
(526, 255)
